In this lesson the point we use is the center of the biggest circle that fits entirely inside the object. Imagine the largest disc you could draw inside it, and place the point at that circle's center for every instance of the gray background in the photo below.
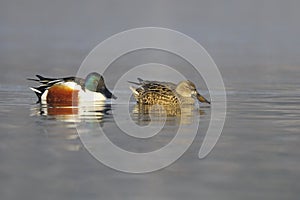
(258, 38)
(254, 43)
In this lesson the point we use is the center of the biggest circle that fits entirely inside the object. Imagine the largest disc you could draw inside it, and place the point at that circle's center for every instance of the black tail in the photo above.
(45, 84)
(39, 91)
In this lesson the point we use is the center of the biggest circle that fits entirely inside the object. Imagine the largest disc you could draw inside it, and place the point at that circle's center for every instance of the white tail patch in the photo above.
(35, 90)
(44, 96)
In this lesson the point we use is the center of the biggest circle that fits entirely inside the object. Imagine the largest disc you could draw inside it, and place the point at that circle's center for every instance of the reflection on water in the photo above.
(88, 118)
(96, 111)
(69, 113)
(260, 139)
(184, 114)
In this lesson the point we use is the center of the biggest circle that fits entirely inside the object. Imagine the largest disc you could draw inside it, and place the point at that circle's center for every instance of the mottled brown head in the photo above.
(188, 89)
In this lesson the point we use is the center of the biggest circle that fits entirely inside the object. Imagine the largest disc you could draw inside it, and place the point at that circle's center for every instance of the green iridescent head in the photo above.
(93, 81)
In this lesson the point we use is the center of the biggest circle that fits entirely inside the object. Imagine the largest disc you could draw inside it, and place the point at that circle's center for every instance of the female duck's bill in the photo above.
(166, 93)
(70, 90)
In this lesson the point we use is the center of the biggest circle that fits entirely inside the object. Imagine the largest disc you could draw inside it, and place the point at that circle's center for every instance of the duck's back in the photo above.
(161, 93)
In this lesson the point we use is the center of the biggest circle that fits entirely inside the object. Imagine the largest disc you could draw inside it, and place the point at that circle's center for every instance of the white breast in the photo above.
(89, 96)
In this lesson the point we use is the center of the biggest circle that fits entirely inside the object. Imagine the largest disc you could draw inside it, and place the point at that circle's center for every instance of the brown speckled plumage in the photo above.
(155, 93)
(166, 93)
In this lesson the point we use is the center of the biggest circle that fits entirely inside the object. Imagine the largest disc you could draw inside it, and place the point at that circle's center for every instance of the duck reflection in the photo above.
(171, 114)
(72, 116)
(74, 113)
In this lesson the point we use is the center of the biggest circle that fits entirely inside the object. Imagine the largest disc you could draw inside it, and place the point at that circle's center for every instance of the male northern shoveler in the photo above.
(71, 89)
(166, 93)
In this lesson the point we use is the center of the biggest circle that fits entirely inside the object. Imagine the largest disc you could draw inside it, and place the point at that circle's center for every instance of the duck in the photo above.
(71, 89)
(166, 93)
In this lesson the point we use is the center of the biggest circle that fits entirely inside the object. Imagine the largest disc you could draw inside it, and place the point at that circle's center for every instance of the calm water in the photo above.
(257, 156)
(255, 44)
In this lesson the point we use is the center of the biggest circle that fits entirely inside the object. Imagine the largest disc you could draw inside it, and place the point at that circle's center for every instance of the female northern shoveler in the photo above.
(71, 89)
(166, 93)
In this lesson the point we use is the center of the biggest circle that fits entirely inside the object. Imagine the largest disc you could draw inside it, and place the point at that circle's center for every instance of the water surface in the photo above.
(256, 157)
